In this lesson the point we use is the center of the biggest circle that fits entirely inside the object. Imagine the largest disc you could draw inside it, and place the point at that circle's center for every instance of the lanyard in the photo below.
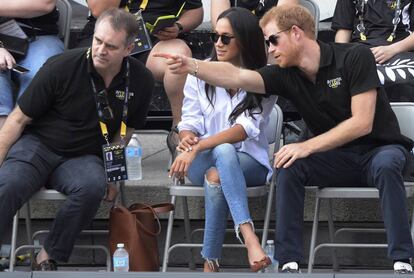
(361, 26)
(102, 123)
(142, 7)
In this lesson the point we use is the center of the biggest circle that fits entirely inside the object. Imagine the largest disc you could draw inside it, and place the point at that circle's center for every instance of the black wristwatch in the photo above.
(180, 27)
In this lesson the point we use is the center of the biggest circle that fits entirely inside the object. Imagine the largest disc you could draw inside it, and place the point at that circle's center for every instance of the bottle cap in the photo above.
(120, 245)
(270, 241)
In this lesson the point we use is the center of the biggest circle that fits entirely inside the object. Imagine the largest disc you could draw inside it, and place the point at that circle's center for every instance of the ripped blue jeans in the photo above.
(235, 169)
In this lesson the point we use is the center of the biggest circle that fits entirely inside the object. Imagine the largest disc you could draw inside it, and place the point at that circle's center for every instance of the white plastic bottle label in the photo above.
(121, 262)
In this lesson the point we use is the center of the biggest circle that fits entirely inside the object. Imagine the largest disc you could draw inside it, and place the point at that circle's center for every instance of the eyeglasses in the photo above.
(273, 38)
(104, 110)
(225, 39)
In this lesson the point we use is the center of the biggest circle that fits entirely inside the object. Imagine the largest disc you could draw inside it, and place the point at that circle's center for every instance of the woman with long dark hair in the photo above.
(222, 139)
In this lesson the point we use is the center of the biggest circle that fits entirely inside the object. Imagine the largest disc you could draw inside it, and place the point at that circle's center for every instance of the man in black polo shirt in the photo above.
(53, 136)
(356, 135)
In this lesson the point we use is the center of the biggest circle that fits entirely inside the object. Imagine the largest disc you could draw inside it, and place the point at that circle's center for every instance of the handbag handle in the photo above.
(142, 226)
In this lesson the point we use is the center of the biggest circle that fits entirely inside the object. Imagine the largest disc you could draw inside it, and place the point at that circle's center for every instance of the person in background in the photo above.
(38, 21)
(386, 27)
(258, 7)
(223, 140)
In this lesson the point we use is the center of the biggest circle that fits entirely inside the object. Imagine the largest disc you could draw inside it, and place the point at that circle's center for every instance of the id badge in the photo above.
(114, 162)
(143, 40)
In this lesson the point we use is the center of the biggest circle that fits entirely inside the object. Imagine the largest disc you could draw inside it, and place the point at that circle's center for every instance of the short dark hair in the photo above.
(121, 20)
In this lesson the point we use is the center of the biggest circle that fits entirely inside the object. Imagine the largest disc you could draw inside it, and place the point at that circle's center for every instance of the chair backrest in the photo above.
(313, 7)
(273, 127)
(65, 17)
(405, 115)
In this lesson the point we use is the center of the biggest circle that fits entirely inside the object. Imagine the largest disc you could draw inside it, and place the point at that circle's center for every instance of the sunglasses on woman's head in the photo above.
(225, 39)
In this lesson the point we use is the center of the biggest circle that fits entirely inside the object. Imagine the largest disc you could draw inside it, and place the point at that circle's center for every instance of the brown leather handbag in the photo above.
(137, 227)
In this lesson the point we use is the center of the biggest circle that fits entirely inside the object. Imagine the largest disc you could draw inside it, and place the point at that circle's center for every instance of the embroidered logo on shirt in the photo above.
(120, 94)
(334, 83)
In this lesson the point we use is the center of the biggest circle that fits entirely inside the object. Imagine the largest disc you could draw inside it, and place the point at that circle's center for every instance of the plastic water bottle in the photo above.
(270, 251)
(121, 259)
(133, 159)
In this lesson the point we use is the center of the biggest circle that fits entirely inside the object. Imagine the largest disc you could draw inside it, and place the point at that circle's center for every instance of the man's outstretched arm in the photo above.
(220, 74)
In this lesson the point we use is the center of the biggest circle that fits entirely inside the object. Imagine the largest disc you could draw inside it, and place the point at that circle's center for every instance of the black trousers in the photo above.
(28, 167)
(380, 167)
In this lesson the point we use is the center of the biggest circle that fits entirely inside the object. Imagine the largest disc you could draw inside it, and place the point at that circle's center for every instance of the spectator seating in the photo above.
(405, 116)
(273, 133)
(65, 18)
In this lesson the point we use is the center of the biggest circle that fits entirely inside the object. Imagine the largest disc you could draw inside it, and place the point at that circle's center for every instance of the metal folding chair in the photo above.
(273, 131)
(65, 18)
(405, 115)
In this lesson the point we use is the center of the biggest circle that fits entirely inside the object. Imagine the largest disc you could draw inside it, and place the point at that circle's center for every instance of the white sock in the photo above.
(291, 265)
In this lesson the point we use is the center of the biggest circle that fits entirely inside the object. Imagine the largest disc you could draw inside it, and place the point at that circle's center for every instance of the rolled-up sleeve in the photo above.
(253, 124)
(192, 117)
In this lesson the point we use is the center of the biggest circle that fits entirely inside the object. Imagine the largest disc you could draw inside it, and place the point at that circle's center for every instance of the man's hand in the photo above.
(187, 142)
(168, 33)
(182, 163)
(111, 192)
(383, 53)
(289, 153)
(6, 59)
(177, 63)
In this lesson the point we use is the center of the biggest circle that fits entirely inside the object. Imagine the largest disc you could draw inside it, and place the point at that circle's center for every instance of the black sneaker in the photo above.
(402, 268)
(291, 267)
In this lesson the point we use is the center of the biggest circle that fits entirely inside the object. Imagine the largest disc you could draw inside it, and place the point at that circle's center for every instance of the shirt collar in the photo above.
(92, 71)
(326, 54)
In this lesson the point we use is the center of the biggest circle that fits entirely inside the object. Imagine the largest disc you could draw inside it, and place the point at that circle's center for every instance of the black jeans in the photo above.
(380, 167)
(29, 166)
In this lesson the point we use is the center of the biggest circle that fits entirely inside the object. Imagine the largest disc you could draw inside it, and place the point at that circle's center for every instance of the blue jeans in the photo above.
(380, 167)
(28, 167)
(38, 52)
(235, 171)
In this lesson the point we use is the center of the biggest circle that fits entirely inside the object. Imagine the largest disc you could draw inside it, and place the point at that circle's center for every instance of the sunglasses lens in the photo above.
(225, 39)
(214, 37)
(271, 40)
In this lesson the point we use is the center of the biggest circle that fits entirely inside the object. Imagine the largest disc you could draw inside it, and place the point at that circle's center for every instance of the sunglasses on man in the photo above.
(104, 110)
(273, 38)
(225, 39)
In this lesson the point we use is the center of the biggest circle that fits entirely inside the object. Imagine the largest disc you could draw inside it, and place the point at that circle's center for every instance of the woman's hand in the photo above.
(6, 59)
(383, 53)
(187, 142)
(182, 163)
(168, 33)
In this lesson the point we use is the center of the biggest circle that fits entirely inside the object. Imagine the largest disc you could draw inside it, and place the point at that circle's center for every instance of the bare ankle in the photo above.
(42, 256)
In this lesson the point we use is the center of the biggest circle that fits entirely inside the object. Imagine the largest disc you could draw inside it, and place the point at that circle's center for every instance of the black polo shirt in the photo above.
(378, 17)
(61, 102)
(345, 70)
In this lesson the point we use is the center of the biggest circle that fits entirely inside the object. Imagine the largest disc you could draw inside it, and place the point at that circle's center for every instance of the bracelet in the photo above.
(196, 69)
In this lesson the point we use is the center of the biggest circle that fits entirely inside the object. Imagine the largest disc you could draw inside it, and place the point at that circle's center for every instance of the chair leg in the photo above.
(314, 235)
(268, 211)
(412, 223)
(187, 228)
(168, 236)
(331, 228)
(28, 222)
(14, 242)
